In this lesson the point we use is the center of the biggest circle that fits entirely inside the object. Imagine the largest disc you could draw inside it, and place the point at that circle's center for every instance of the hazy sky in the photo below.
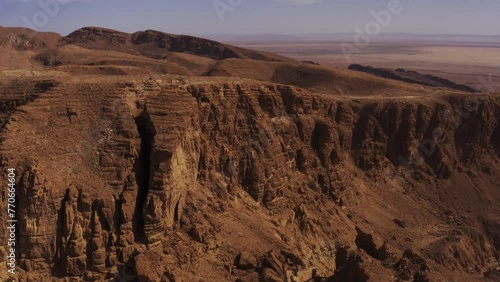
(200, 17)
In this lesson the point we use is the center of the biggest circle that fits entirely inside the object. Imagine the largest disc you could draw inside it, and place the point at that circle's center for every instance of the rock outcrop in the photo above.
(237, 180)
(158, 45)
(412, 77)
(24, 39)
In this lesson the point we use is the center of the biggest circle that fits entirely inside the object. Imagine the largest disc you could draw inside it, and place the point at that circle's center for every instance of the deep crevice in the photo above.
(56, 269)
(319, 140)
(366, 242)
(142, 169)
(90, 243)
(176, 213)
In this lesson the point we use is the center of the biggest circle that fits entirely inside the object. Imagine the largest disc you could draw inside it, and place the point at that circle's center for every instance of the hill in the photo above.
(100, 51)
(158, 45)
(412, 77)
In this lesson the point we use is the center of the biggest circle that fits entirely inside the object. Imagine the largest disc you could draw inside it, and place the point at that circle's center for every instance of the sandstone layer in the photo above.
(218, 180)
(158, 157)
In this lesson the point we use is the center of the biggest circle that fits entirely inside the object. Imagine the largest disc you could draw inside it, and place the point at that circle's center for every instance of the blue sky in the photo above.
(200, 17)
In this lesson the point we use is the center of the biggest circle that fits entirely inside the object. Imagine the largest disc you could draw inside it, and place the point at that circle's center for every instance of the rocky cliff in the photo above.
(214, 179)
(158, 45)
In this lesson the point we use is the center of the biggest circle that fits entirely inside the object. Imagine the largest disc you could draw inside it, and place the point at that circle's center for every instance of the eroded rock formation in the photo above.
(225, 180)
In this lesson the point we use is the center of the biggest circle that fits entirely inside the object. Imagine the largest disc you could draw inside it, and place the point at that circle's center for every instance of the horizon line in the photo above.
(271, 34)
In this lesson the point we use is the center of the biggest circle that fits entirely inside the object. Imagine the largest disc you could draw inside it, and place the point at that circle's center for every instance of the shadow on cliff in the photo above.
(142, 169)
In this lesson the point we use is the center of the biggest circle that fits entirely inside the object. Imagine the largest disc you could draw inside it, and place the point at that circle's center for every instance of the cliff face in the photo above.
(170, 179)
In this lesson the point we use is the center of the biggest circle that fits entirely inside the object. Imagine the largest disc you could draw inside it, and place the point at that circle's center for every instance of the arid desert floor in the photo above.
(471, 64)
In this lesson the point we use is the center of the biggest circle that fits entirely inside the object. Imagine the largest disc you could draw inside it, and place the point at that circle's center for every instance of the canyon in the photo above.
(154, 157)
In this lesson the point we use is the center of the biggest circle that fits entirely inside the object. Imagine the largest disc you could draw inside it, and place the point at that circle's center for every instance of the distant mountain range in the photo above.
(463, 39)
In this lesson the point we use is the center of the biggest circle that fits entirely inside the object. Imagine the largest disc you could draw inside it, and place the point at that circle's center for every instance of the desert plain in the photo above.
(473, 62)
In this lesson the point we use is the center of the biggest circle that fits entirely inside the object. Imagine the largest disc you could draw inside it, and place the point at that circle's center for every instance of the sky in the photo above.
(201, 17)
